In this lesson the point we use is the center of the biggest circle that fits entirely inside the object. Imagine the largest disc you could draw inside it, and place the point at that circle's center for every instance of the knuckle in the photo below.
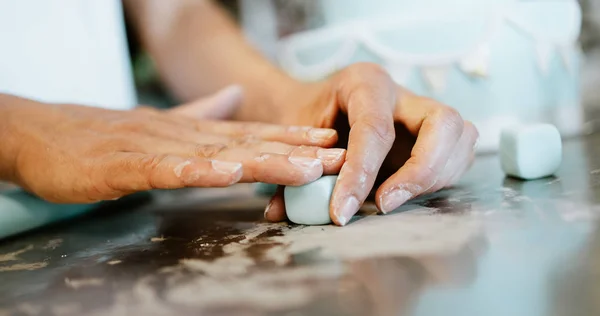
(302, 151)
(382, 128)
(209, 151)
(154, 179)
(150, 163)
(244, 141)
(451, 119)
(423, 173)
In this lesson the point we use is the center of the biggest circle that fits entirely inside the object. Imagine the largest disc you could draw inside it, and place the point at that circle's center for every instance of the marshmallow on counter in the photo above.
(309, 204)
(530, 151)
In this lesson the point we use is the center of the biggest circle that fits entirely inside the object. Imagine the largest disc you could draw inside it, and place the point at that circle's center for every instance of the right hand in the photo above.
(77, 154)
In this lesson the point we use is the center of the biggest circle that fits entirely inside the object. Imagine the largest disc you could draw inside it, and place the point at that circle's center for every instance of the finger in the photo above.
(294, 135)
(275, 211)
(125, 172)
(460, 171)
(246, 150)
(281, 169)
(460, 160)
(219, 106)
(157, 123)
(368, 97)
(439, 130)
(261, 164)
(331, 158)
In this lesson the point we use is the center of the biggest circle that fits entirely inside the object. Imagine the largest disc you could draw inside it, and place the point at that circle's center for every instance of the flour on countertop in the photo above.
(13, 256)
(263, 268)
(23, 266)
(53, 244)
(78, 283)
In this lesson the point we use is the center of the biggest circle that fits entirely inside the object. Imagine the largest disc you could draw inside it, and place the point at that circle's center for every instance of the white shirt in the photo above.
(67, 51)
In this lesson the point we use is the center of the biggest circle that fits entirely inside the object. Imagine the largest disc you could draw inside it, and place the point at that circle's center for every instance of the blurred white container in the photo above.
(66, 51)
(499, 62)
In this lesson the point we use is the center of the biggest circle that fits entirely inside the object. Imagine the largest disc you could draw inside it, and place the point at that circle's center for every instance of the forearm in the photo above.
(198, 49)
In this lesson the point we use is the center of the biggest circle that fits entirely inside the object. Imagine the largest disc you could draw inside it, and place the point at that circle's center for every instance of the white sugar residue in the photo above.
(265, 289)
(239, 279)
(67, 309)
(508, 192)
(228, 266)
(259, 229)
(572, 211)
(24, 266)
(79, 283)
(158, 239)
(14, 256)
(385, 236)
(402, 234)
(53, 244)
(178, 170)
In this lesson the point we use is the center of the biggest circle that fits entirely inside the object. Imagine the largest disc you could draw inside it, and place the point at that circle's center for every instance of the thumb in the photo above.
(218, 106)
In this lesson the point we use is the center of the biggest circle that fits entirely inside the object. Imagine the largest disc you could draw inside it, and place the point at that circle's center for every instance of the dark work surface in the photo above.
(490, 246)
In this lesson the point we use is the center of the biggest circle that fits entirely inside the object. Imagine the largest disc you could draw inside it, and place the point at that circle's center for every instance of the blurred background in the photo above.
(590, 41)
(499, 63)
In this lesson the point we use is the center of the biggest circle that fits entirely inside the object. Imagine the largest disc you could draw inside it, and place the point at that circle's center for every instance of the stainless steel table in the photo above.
(490, 246)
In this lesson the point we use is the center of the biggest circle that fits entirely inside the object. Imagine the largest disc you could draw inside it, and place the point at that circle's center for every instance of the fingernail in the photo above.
(320, 134)
(226, 167)
(304, 162)
(268, 208)
(347, 210)
(393, 199)
(476, 144)
(330, 154)
(188, 177)
(179, 168)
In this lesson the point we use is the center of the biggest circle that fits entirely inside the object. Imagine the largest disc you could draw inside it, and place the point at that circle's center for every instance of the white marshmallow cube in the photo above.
(530, 151)
(309, 204)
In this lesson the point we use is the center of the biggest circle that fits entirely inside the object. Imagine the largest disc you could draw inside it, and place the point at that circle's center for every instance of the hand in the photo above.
(435, 148)
(75, 154)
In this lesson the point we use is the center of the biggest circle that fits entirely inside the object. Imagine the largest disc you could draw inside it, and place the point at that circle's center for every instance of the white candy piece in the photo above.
(309, 204)
(530, 151)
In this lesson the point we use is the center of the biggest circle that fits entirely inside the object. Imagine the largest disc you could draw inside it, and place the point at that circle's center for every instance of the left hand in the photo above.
(417, 144)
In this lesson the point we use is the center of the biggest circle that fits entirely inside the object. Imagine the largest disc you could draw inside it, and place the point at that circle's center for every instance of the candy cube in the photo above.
(530, 151)
(309, 204)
